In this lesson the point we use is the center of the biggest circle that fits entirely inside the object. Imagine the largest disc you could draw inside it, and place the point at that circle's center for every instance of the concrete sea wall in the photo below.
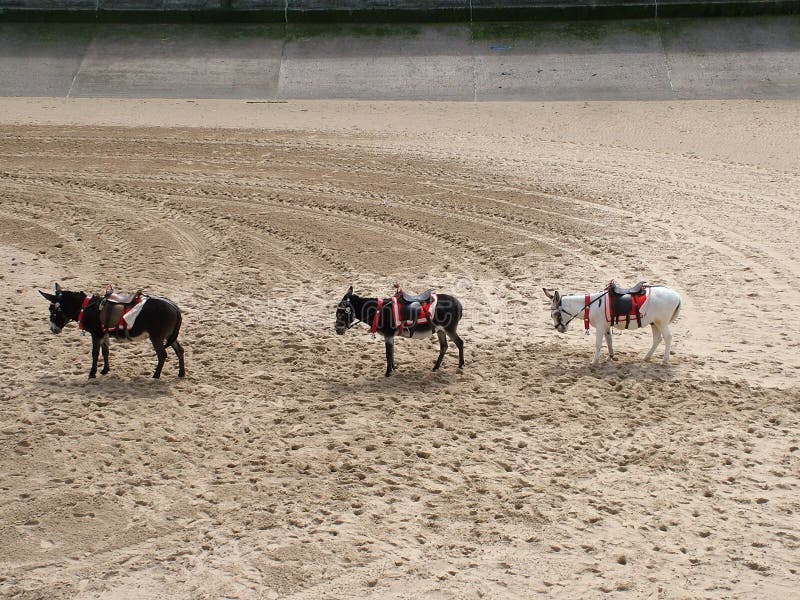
(321, 11)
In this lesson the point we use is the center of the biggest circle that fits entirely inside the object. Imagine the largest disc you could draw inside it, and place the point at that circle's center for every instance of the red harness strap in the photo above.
(425, 312)
(377, 316)
(587, 301)
(398, 320)
(86, 301)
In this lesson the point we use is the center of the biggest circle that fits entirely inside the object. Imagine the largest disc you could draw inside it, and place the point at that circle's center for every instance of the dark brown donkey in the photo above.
(159, 318)
(442, 320)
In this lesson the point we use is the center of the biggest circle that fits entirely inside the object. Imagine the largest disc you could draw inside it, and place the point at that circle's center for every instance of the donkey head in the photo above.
(344, 313)
(555, 310)
(64, 307)
(57, 317)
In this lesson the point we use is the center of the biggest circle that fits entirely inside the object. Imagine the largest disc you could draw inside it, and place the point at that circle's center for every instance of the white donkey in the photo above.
(661, 307)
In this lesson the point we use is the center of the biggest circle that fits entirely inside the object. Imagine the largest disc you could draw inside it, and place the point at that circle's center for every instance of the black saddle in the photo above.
(621, 301)
(411, 306)
(423, 297)
(617, 290)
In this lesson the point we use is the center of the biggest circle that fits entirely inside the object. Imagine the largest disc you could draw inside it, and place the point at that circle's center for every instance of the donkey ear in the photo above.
(48, 297)
(58, 289)
(349, 291)
(547, 293)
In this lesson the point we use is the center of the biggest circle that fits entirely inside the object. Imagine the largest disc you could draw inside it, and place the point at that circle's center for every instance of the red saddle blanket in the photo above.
(426, 312)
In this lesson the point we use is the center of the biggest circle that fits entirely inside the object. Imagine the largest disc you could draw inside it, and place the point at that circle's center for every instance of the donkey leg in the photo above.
(598, 346)
(106, 363)
(453, 335)
(609, 344)
(95, 354)
(179, 353)
(161, 352)
(656, 341)
(667, 333)
(442, 348)
(389, 355)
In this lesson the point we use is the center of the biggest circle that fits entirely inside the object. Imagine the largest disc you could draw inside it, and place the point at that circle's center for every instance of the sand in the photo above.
(286, 466)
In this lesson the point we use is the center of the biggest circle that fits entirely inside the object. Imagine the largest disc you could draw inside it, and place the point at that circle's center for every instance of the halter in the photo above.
(57, 305)
(349, 308)
(587, 303)
(79, 318)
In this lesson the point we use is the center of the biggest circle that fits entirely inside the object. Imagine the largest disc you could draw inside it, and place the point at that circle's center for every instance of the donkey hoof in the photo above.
(92, 375)
(104, 371)
(182, 374)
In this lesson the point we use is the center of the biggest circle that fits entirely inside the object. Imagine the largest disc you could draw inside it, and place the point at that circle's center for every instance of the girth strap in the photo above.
(377, 316)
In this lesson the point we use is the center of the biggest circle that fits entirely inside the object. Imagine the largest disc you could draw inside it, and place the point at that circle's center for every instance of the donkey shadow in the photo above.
(630, 367)
(404, 382)
(114, 388)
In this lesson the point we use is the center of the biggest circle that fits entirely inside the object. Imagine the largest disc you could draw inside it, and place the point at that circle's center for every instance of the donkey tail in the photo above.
(676, 313)
(177, 329)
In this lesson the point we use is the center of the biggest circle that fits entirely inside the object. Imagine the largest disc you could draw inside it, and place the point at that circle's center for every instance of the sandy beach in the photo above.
(285, 465)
